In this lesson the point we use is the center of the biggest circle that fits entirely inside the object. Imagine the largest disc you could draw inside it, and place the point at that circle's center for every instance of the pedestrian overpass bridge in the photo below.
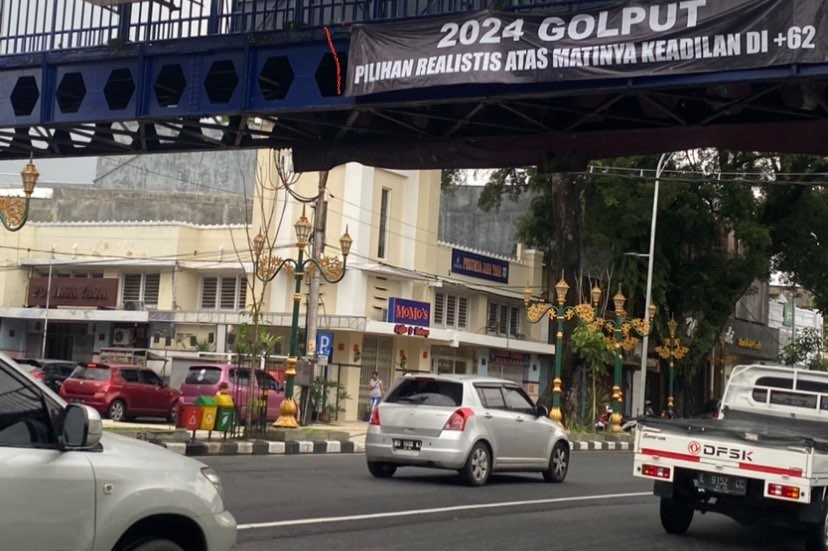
(412, 83)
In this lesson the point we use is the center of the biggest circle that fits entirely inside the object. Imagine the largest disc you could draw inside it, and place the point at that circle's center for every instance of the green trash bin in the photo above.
(226, 412)
(208, 412)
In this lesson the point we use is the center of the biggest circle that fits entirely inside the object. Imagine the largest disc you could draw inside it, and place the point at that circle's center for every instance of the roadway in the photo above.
(331, 503)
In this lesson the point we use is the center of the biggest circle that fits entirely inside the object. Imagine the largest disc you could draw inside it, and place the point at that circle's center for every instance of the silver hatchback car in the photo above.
(475, 425)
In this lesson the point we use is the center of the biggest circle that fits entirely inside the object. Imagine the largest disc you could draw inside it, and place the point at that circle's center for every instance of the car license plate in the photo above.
(408, 444)
(722, 484)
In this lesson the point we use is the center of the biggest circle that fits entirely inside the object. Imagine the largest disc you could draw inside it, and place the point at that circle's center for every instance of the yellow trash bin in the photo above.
(208, 412)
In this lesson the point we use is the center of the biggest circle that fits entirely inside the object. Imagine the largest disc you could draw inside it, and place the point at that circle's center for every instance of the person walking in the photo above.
(375, 390)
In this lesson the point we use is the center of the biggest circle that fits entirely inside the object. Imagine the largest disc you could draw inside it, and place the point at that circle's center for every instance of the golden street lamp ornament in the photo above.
(267, 266)
(620, 333)
(535, 311)
(672, 349)
(14, 211)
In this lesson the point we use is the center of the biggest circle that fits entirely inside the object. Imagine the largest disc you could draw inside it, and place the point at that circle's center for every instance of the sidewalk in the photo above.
(336, 437)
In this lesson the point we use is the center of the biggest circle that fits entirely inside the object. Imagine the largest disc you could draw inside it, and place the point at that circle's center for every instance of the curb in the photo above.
(317, 447)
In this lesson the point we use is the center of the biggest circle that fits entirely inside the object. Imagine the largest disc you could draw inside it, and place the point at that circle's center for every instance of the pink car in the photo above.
(206, 380)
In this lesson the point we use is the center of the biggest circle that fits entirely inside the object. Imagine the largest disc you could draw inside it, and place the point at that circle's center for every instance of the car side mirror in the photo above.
(82, 427)
(541, 411)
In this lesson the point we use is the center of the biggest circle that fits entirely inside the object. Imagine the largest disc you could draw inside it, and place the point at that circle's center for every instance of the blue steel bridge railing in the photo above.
(28, 26)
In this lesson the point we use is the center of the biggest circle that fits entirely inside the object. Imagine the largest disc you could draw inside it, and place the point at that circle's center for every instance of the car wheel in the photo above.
(676, 515)
(816, 534)
(117, 410)
(153, 544)
(558, 463)
(478, 465)
(381, 470)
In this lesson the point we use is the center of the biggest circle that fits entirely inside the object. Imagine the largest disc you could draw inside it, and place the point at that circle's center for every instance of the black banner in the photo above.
(628, 39)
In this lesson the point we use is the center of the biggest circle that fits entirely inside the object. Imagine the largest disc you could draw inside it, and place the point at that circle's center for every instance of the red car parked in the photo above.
(205, 380)
(121, 392)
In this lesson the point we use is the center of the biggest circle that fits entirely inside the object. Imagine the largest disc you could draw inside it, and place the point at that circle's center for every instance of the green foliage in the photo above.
(253, 341)
(597, 353)
(328, 397)
(204, 346)
(805, 349)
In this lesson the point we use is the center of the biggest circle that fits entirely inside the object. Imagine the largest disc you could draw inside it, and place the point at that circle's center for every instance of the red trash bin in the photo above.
(189, 416)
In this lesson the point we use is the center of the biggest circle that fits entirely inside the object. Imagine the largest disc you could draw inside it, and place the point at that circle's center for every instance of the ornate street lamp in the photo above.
(14, 211)
(266, 266)
(535, 311)
(671, 349)
(621, 337)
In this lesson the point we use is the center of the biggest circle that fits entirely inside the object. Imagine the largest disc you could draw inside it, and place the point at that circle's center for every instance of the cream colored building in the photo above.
(180, 288)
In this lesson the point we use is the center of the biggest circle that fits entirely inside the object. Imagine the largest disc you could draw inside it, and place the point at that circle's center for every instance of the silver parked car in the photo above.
(68, 485)
(475, 425)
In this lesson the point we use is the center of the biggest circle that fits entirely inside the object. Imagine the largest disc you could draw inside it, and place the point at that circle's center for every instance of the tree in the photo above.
(806, 349)
(596, 351)
(723, 222)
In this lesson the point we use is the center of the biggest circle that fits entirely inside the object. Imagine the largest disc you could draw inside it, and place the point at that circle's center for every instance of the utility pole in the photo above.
(317, 250)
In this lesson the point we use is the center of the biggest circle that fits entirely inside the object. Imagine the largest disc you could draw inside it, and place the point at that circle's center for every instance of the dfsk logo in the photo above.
(694, 447)
(727, 452)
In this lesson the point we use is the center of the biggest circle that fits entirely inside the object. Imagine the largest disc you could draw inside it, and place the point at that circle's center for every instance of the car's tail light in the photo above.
(458, 419)
(375, 420)
(656, 471)
(781, 490)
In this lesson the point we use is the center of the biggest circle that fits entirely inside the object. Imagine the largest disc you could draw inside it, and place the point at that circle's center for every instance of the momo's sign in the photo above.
(613, 40)
(410, 312)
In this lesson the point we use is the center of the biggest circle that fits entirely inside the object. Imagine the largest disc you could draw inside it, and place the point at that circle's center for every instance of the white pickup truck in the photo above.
(764, 459)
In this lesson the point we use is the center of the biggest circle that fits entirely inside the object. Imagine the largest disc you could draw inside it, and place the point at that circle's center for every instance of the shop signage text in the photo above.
(509, 357)
(73, 291)
(749, 343)
(411, 330)
(409, 312)
(476, 265)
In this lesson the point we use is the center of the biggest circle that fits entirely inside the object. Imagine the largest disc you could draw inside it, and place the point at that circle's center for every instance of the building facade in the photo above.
(408, 302)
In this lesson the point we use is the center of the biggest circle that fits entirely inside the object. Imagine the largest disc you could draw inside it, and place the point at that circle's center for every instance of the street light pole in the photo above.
(535, 311)
(672, 349)
(645, 343)
(267, 266)
(622, 338)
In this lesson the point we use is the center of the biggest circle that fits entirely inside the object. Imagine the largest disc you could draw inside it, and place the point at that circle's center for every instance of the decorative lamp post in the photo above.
(14, 211)
(266, 266)
(672, 349)
(535, 311)
(622, 338)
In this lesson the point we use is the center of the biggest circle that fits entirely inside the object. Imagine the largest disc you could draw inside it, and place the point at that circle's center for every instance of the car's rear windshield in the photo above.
(427, 392)
(200, 375)
(100, 373)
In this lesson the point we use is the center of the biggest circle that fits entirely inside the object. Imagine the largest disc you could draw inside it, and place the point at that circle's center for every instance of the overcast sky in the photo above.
(71, 170)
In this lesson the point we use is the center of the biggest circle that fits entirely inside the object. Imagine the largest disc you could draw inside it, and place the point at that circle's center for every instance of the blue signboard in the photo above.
(409, 312)
(324, 344)
(476, 265)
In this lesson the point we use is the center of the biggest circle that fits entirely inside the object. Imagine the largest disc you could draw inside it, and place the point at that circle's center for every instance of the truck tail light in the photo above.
(375, 420)
(780, 490)
(656, 471)
(458, 419)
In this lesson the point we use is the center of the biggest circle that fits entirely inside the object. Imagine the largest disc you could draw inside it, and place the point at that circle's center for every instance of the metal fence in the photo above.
(28, 26)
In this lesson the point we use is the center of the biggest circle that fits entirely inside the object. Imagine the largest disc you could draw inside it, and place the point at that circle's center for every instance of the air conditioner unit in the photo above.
(36, 327)
(122, 337)
(133, 305)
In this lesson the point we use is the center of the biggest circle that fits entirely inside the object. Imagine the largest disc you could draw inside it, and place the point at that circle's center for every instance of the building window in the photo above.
(383, 223)
(503, 319)
(223, 293)
(451, 310)
(141, 287)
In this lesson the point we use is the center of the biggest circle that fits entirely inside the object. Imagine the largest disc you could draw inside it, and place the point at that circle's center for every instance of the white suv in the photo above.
(66, 485)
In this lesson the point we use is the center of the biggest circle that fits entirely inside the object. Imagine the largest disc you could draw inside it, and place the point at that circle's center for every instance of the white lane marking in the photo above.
(323, 520)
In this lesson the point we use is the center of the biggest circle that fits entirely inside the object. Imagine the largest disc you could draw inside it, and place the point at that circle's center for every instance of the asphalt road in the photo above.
(331, 503)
